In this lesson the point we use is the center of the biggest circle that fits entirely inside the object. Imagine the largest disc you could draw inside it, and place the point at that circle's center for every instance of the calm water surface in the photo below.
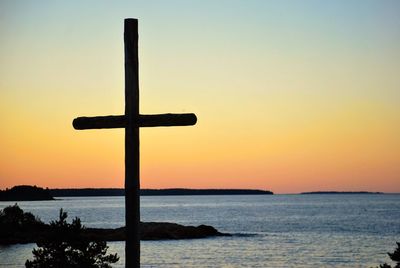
(269, 231)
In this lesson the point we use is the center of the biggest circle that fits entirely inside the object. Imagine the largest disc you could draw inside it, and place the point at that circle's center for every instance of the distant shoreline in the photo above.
(34, 193)
(155, 192)
(342, 192)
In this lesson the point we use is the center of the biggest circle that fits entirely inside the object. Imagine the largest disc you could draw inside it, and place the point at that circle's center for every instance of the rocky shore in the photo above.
(18, 227)
(148, 231)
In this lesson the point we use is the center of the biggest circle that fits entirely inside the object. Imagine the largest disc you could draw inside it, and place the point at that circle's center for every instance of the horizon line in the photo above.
(226, 189)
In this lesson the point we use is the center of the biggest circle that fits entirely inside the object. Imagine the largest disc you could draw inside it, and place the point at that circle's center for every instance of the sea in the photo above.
(318, 230)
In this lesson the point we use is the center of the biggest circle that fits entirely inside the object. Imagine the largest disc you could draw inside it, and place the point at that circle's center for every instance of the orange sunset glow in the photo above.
(286, 101)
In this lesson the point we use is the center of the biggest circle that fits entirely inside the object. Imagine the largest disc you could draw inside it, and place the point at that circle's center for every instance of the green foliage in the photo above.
(66, 247)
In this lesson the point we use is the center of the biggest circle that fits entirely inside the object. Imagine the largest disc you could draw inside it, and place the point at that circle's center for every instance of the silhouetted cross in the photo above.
(131, 121)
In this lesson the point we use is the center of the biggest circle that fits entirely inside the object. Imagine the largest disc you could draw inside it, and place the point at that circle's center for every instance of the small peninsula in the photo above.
(25, 193)
(19, 227)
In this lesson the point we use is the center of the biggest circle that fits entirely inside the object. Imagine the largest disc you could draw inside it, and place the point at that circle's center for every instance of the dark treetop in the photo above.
(25, 193)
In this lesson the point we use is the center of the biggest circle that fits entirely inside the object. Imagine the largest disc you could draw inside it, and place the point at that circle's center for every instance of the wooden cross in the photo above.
(131, 121)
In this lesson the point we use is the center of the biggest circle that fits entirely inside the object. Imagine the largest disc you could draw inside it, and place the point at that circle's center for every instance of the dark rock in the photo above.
(155, 231)
(166, 230)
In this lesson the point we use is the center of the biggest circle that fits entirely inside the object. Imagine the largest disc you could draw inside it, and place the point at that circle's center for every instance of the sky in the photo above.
(290, 96)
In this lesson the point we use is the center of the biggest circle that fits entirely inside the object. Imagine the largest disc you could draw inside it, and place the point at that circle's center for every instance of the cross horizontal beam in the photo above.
(120, 121)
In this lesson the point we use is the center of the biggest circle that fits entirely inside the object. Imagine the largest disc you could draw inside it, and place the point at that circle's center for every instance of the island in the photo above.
(19, 227)
(25, 193)
(341, 192)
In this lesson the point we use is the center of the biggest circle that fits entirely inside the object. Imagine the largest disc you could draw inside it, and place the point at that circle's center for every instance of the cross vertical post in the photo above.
(132, 121)
(132, 184)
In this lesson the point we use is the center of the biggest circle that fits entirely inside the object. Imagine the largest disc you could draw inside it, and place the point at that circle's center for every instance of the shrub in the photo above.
(66, 247)
(395, 256)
